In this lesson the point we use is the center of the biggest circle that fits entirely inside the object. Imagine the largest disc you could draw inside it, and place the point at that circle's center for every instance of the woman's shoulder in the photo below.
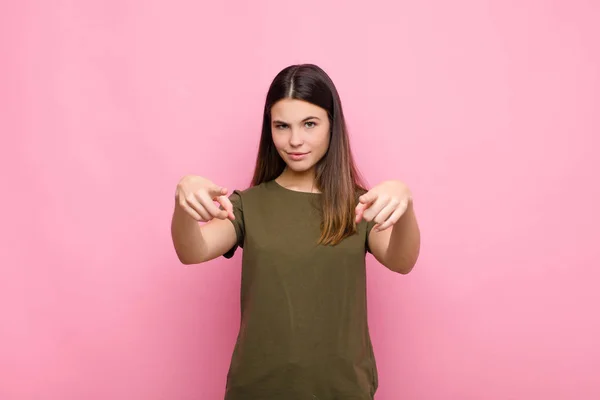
(253, 196)
(255, 191)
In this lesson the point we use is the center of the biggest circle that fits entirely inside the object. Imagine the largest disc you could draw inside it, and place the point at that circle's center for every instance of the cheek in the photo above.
(323, 141)
(278, 141)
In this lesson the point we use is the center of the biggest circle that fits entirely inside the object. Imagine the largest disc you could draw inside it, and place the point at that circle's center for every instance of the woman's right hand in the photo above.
(197, 195)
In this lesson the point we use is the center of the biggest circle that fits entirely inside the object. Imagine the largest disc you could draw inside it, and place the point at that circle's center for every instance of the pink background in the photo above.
(489, 110)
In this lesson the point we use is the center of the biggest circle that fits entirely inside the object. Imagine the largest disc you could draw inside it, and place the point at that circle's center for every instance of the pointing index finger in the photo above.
(368, 197)
(360, 209)
(216, 191)
(226, 204)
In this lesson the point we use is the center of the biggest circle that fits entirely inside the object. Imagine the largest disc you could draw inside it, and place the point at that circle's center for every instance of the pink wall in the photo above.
(489, 110)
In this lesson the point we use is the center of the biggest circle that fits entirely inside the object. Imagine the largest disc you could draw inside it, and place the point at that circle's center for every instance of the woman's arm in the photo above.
(195, 244)
(390, 205)
(398, 248)
(195, 202)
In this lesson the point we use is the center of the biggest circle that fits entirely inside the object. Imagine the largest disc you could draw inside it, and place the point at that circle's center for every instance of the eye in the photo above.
(281, 126)
(310, 124)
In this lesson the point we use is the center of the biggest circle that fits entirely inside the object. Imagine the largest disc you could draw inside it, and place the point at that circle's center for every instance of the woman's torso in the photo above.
(304, 331)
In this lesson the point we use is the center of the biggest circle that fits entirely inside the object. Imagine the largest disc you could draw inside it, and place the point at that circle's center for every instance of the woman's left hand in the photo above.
(384, 204)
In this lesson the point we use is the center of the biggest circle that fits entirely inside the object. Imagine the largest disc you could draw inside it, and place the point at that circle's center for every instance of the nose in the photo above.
(296, 139)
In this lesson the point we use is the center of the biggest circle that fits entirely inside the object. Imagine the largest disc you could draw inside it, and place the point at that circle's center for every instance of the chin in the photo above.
(299, 168)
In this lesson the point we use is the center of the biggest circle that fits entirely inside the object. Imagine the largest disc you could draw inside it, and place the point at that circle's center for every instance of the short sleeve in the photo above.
(370, 225)
(238, 222)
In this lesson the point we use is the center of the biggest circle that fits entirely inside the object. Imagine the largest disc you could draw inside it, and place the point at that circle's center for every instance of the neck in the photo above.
(300, 181)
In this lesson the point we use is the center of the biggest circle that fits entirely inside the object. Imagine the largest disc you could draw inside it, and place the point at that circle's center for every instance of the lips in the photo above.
(297, 156)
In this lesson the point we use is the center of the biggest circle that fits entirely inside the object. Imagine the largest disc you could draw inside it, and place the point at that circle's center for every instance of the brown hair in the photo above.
(337, 177)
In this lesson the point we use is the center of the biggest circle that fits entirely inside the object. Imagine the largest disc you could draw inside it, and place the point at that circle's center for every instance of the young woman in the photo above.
(305, 225)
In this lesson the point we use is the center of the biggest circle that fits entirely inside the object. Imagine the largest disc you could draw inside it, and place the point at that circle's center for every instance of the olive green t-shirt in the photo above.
(304, 332)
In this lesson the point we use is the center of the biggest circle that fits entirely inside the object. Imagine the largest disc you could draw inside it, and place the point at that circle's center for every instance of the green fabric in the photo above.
(304, 332)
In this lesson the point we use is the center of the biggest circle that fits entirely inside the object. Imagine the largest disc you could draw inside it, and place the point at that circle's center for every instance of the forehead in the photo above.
(296, 110)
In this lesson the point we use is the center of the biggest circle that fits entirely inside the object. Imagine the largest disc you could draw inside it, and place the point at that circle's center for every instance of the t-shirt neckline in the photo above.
(292, 190)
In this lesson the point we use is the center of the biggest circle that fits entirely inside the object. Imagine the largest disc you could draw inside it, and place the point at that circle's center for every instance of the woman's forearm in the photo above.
(187, 237)
(405, 242)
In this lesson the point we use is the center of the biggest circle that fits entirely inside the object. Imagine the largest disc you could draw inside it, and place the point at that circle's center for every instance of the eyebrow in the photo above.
(304, 120)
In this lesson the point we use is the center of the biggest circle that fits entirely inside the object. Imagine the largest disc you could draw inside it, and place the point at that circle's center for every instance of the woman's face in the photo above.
(301, 133)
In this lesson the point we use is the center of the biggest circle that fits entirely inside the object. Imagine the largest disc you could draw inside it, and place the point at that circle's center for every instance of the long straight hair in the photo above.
(336, 177)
